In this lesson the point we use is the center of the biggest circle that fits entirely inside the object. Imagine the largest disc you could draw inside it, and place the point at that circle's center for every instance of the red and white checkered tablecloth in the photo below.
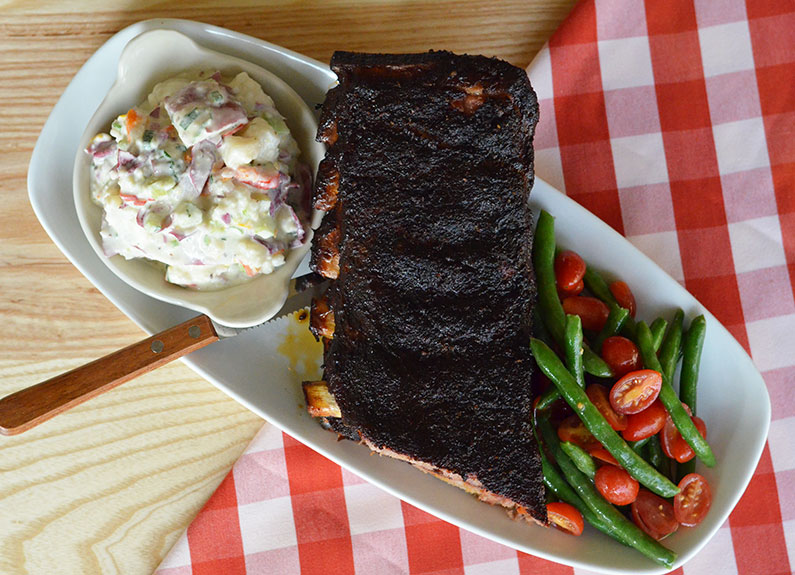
(674, 122)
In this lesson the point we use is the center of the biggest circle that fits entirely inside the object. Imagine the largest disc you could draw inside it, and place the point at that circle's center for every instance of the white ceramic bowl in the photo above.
(151, 58)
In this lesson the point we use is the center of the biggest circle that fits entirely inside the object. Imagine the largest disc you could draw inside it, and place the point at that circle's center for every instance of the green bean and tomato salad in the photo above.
(618, 444)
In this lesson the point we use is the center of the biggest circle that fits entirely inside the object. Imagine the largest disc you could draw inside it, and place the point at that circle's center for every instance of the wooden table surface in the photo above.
(109, 486)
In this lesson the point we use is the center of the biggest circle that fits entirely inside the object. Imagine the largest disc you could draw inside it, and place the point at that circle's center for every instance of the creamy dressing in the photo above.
(204, 178)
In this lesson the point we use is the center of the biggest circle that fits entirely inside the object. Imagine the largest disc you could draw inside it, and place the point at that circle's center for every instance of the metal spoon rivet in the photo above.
(157, 346)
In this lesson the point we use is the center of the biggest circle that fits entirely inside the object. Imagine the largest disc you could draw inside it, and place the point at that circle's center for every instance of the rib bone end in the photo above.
(319, 401)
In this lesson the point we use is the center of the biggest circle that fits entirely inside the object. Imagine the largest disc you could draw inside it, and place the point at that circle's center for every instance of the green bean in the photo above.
(540, 329)
(546, 399)
(688, 378)
(544, 263)
(682, 421)
(572, 348)
(563, 491)
(613, 523)
(657, 458)
(557, 485)
(580, 457)
(658, 327)
(575, 396)
(594, 364)
(599, 288)
(615, 321)
(597, 285)
(637, 446)
(671, 345)
(691, 358)
(554, 482)
(551, 309)
(573, 353)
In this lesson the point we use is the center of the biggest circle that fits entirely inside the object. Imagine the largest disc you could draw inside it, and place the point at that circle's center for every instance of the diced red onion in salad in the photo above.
(299, 228)
(274, 246)
(227, 117)
(149, 163)
(102, 149)
(277, 196)
(127, 161)
(190, 95)
(303, 176)
(178, 235)
(203, 158)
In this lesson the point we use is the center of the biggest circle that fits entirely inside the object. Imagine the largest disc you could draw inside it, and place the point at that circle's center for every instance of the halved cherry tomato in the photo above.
(573, 430)
(598, 396)
(576, 290)
(646, 423)
(592, 312)
(674, 445)
(603, 454)
(569, 270)
(565, 517)
(692, 502)
(654, 515)
(624, 297)
(616, 485)
(621, 354)
(636, 391)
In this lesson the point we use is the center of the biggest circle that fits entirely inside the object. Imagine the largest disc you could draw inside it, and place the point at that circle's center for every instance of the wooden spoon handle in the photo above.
(28, 407)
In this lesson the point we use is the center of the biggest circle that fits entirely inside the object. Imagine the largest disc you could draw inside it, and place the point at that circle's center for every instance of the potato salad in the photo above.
(204, 178)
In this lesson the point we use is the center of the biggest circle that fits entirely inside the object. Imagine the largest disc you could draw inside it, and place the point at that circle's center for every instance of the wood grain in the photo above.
(32, 406)
(108, 486)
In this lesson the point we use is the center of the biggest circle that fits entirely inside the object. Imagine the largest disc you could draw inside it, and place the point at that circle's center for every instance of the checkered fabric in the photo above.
(674, 122)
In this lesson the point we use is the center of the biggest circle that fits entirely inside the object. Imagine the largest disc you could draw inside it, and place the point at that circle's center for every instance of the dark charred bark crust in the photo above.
(428, 176)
